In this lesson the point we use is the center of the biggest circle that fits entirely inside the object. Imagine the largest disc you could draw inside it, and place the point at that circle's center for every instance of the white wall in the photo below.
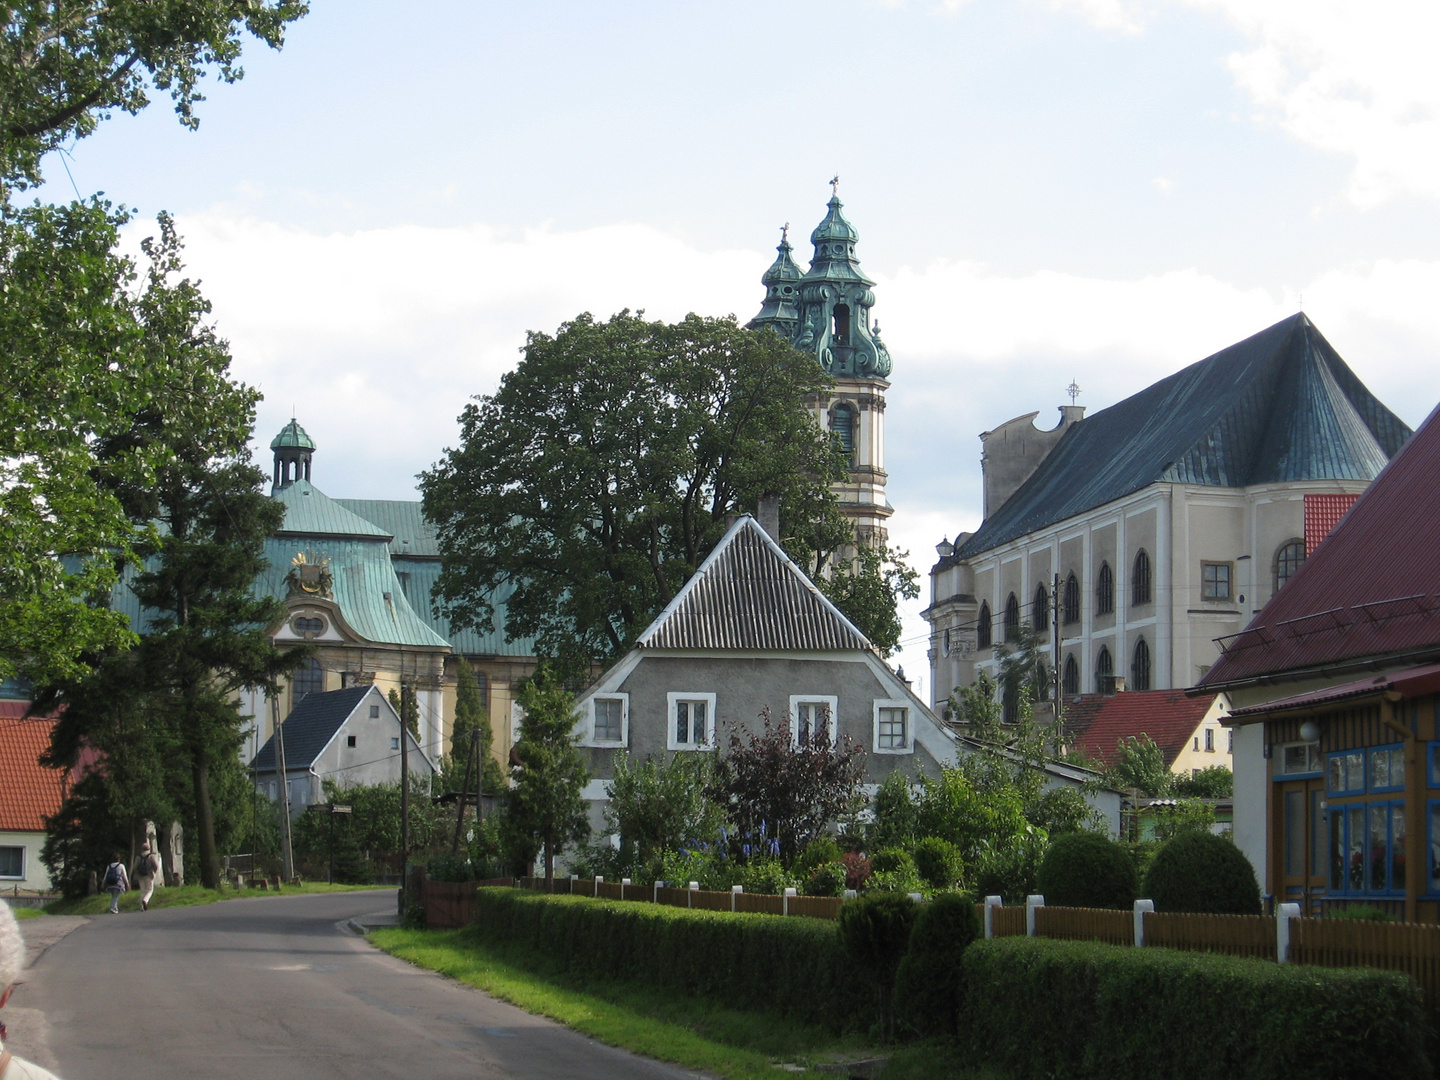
(37, 878)
(1251, 783)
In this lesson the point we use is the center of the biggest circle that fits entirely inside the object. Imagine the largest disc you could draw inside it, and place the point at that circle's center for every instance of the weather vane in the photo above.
(835, 185)
(1073, 390)
(785, 233)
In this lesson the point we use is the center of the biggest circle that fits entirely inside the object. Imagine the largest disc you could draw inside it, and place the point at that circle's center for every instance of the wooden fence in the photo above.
(450, 905)
(1082, 924)
(1235, 935)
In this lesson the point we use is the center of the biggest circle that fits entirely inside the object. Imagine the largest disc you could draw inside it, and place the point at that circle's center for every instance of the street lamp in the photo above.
(330, 870)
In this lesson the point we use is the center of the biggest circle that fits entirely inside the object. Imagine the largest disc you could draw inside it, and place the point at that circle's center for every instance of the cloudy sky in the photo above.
(1046, 190)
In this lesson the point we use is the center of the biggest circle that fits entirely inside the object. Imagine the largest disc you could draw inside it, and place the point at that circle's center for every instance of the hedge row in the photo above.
(1067, 1009)
(791, 967)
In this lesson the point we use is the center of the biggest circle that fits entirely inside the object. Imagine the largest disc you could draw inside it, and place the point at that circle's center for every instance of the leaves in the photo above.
(544, 803)
(867, 588)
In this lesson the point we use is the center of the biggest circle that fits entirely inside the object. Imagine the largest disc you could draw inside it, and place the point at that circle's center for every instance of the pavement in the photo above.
(279, 987)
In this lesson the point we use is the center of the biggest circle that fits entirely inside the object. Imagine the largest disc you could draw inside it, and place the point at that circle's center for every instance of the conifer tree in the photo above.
(545, 806)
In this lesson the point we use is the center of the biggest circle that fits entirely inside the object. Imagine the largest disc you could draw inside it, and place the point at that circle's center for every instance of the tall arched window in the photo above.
(309, 679)
(1105, 591)
(1070, 683)
(982, 628)
(841, 335)
(1012, 618)
(1072, 599)
(1140, 666)
(1040, 616)
(842, 423)
(1288, 559)
(1140, 579)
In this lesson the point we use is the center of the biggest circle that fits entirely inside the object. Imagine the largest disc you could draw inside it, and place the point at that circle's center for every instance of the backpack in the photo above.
(145, 868)
(112, 875)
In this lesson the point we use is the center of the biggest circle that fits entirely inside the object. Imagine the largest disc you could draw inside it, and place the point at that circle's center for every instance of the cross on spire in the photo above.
(835, 185)
(1073, 390)
(785, 232)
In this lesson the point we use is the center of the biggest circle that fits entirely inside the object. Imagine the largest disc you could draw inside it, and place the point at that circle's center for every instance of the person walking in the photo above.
(147, 866)
(12, 962)
(116, 882)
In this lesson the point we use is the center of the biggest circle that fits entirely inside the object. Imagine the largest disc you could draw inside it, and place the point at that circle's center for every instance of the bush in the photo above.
(1202, 872)
(816, 854)
(764, 874)
(1085, 869)
(938, 863)
(795, 968)
(1081, 1010)
(827, 880)
(875, 931)
(889, 860)
(857, 870)
(1360, 913)
(449, 868)
(928, 981)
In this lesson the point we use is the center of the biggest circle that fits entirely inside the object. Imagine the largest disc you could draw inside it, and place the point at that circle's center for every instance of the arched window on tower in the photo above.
(1012, 618)
(982, 627)
(1140, 667)
(1140, 579)
(1040, 616)
(1072, 599)
(1288, 559)
(1105, 590)
(841, 336)
(1104, 671)
(309, 679)
(842, 425)
(1070, 683)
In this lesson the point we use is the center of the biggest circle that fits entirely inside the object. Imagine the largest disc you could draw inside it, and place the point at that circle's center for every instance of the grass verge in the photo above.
(26, 912)
(189, 896)
(692, 1033)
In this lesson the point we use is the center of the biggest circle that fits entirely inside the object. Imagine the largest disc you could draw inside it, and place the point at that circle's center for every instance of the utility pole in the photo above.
(1055, 652)
(404, 779)
(465, 794)
(287, 856)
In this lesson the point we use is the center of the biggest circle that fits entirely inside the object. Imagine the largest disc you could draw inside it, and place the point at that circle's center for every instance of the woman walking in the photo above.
(147, 866)
(116, 882)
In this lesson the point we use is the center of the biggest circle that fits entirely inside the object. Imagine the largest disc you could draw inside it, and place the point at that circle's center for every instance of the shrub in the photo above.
(857, 870)
(816, 854)
(1085, 869)
(1360, 913)
(1202, 872)
(765, 874)
(928, 981)
(449, 868)
(795, 968)
(827, 880)
(938, 863)
(875, 931)
(888, 860)
(1081, 1010)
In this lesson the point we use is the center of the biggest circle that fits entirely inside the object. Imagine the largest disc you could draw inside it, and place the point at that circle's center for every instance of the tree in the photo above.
(601, 473)
(68, 63)
(1023, 671)
(769, 787)
(866, 591)
(407, 707)
(1140, 764)
(658, 806)
(473, 722)
(544, 805)
(1211, 782)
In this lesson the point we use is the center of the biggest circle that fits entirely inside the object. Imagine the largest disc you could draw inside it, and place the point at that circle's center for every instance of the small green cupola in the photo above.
(293, 448)
(781, 310)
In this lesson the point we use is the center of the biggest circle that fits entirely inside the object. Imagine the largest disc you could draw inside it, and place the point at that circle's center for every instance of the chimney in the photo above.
(767, 512)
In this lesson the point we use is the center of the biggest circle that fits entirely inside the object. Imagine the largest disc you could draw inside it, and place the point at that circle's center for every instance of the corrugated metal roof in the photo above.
(1372, 587)
(403, 519)
(1322, 514)
(1169, 717)
(748, 595)
(310, 727)
(310, 512)
(1415, 682)
(29, 793)
(1279, 406)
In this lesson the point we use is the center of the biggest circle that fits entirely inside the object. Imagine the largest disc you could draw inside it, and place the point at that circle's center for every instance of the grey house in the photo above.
(350, 736)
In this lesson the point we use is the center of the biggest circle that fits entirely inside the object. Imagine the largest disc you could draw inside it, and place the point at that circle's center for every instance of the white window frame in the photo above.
(672, 699)
(592, 738)
(894, 703)
(828, 701)
(23, 861)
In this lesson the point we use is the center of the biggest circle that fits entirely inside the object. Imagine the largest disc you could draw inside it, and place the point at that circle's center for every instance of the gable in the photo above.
(310, 727)
(1169, 717)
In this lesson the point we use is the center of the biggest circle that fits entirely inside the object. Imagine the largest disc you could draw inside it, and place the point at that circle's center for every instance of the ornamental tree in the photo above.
(544, 805)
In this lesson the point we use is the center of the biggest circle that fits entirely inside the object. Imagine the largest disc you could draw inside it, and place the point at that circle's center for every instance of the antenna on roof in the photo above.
(1073, 390)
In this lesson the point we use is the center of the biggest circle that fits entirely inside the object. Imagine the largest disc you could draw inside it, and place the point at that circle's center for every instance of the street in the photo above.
(275, 987)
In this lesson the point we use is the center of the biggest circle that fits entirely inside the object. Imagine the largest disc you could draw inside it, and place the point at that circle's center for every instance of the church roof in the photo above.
(404, 519)
(310, 512)
(1370, 591)
(749, 595)
(834, 239)
(292, 434)
(1277, 407)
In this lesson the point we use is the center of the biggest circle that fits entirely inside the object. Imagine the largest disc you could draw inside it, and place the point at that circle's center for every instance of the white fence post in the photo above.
(735, 890)
(655, 896)
(991, 903)
(599, 880)
(690, 893)
(916, 897)
(785, 903)
(1031, 903)
(1141, 907)
(1283, 914)
(850, 894)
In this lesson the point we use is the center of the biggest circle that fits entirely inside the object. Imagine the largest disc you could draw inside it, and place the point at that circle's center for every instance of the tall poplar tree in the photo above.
(544, 805)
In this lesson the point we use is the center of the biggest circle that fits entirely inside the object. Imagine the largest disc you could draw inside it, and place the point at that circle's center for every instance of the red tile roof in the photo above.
(1322, 514)
(1371, 590)
(28, 793)
(1169, 717)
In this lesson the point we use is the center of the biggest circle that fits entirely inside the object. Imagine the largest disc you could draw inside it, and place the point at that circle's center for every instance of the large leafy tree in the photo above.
(601, 472)
(544, 808)
(866, 587)
(660, 806)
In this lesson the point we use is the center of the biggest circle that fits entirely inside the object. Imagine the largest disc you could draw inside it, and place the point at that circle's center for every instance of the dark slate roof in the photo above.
(1370, 590)
(748, 595)
(1277, 407)
(310, 727)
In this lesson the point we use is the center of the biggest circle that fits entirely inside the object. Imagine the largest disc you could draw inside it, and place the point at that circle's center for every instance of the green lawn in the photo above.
(190, 895)
(26, 912)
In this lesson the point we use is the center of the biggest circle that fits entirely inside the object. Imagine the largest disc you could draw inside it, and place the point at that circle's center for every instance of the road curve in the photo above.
(274, 988)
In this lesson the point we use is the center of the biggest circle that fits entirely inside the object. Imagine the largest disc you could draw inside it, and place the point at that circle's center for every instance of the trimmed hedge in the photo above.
(927, 984)
(792, 967)
(1081, 1010)
(1201, 872)
(1085, 869)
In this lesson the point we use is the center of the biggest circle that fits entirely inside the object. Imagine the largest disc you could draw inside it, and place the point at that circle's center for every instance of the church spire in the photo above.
(782, 291)
(293, 448)
(835, 301)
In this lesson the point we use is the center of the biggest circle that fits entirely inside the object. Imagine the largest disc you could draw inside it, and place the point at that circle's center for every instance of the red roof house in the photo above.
(29, 794)
(1186, 729)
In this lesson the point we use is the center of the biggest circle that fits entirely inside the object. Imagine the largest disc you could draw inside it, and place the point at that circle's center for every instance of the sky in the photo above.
(1046, 191)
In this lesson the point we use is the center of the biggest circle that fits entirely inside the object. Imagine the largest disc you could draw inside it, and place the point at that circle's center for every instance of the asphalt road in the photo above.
(276, 988)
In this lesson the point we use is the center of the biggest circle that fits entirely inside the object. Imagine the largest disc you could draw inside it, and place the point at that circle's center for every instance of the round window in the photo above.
(304, 625)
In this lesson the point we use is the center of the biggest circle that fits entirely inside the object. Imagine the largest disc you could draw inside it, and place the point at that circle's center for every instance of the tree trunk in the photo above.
(549, 866)
(205, 821)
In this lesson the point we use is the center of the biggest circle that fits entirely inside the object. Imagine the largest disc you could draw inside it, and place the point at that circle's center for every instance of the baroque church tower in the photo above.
(825, 312)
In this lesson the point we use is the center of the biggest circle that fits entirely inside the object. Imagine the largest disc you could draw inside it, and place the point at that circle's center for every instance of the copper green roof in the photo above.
(292, 434)
(1278, 407)
(310, 512)
(403, 519)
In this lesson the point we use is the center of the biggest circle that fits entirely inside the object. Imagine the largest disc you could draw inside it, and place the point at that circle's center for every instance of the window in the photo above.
(982, 628)
(350, 741)
(692, 721)
(1140, 666)
(1040, 617)
(395, 742)
(1209, 740)
(1140, 579)
(12, 862)
(1345, 773)
(945, 644)
(1104, 669)
(842, 324)
(303, 626)
(842, 425)
(1105, 591)
(1230, 749)
(1296, 759)
(813, 719)
(1367, 848)
(1288, 560)
(309, 679)
(609, 718)
(1215, 580)
(1072, 599)
(892, 727)
(374, 712)
(1071, 680)
(1387, 768)
(1012, 618)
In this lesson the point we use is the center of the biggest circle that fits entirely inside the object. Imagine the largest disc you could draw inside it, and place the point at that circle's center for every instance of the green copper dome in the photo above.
(835, 227)
(292, 435)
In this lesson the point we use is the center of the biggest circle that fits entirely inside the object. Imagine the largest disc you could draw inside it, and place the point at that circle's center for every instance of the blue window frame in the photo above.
(1387, 768)
(1345, 773)
(1432, 828)
(1367, 848)
(1433, 763)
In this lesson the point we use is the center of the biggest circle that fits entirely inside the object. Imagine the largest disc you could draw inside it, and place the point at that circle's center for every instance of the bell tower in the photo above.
(293, 448)
(826, 312)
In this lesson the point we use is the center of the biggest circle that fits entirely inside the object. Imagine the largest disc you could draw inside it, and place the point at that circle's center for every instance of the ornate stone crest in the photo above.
(308, 578)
